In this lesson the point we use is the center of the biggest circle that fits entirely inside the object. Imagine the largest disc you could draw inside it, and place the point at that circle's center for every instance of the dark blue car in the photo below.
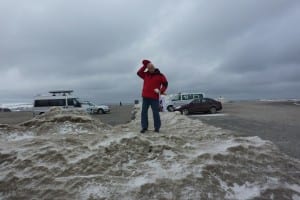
(204, 105)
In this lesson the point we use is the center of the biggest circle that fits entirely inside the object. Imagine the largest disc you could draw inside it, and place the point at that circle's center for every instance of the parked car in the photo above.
(205, 105)
(95, 109)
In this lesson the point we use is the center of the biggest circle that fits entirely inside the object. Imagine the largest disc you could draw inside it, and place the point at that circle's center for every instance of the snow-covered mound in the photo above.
(60, 121)
(68, 155)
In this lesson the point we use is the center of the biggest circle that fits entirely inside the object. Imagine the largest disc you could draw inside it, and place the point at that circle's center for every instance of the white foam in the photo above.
(245, 191)
(168, 154)
(69, 128)
(18, 136)
(175, 155)
(115, 138)
(79, 157)
(17, 106)
(95, 191)
(139, 181)
(296, 197)
(292, 187)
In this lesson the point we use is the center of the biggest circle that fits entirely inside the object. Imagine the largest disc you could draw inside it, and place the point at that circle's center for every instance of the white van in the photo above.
(181, 98)
(57, 98)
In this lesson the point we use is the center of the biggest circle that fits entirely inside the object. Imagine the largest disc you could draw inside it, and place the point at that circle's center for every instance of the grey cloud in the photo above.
(208, 28)
(237, 49)
(71, 34)
(271, 44)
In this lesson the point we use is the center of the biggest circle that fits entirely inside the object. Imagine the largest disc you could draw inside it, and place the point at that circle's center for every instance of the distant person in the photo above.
(160, 104)
(120, 103)
(163, 102)
(155, 83)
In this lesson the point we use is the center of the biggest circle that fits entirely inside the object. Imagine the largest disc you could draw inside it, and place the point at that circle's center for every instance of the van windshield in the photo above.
(74, 102)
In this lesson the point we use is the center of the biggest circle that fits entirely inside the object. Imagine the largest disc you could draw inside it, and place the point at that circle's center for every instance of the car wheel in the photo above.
(101, 111)
(213, 110)
(185, 112)
(170, 108)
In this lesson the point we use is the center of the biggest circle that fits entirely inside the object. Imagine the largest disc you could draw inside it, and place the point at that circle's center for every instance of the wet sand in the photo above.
(65, 154)
(278, 122)
(118, 115)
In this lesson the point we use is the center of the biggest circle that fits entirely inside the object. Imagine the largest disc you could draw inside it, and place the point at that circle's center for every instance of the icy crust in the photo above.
(57, 121)
(56, 159)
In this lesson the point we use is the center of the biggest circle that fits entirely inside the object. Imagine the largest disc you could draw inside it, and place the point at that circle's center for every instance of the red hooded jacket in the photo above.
(152, 81)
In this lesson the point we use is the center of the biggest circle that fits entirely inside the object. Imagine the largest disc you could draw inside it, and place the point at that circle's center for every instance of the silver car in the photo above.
(95, 109)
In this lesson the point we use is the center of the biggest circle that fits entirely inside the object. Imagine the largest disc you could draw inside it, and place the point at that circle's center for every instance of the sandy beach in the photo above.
(278, 122)
(69, 154)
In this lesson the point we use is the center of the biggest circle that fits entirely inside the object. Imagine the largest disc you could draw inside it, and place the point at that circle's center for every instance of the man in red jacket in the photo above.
(155, 83)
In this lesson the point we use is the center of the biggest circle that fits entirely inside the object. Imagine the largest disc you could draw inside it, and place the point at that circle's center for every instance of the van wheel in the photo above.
(185, 112)
(101, 111)
(170, 108)
(212, 110)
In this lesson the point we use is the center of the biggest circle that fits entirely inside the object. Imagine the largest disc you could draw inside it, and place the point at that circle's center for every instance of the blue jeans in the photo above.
(154, 103)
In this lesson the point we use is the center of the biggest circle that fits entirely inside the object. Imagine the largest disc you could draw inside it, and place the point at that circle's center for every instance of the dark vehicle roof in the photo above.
(209, 99)
(205, 99)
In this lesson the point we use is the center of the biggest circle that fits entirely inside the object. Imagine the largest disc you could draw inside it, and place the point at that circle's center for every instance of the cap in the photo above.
(146, 62)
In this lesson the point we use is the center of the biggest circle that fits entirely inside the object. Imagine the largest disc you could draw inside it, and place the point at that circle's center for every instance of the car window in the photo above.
(41, 103)
(49, 102)
(56, 102)
(197, 101)
(196, 96)
(185, 97)
(190, 96)
(176, 97)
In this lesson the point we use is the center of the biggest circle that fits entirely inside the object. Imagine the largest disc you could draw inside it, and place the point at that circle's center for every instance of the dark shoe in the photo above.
(143, 130)
(156, 130)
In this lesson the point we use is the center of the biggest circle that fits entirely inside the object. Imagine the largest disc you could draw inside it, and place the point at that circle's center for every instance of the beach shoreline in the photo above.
(278, 122)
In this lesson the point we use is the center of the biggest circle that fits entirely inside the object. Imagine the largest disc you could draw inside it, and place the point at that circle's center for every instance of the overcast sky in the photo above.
(236, 49)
